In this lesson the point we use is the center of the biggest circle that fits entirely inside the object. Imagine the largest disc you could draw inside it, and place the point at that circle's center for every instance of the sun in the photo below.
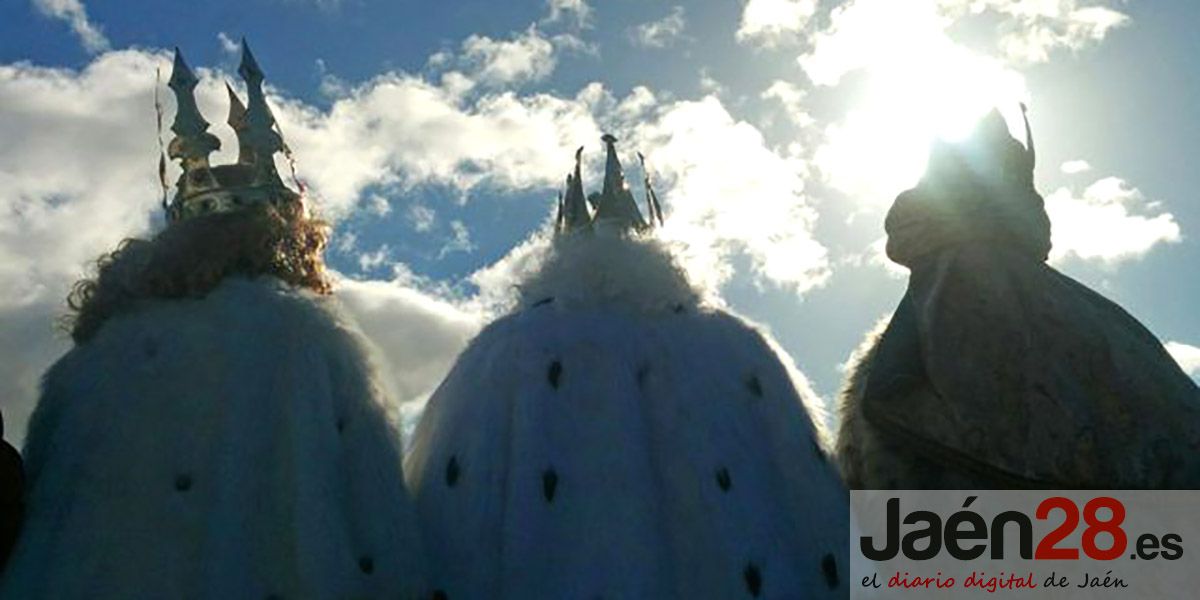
(928, 88)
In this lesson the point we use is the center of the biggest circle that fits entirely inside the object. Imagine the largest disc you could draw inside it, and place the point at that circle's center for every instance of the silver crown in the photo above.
(614, 206)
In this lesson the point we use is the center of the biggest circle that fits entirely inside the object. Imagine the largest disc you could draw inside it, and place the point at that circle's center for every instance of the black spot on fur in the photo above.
(543, 301)
(554, 373)
(183, 482)
(829, 567)
(150, 347)
(642, 373)
(341, 424)
(755, 386)
(678, 308)
(439, 595)
(452, 471)
(753, 579)
(366, 564)
(549, 484)
(723, 479)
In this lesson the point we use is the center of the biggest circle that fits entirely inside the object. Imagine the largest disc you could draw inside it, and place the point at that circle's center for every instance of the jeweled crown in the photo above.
(205, 189)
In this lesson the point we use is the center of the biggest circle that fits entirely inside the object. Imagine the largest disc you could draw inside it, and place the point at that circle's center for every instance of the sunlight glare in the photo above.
(919, 87)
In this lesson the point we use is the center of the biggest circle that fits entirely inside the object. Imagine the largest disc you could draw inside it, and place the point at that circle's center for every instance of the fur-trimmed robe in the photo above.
(235, 446)
(997, 371)
(615, 438)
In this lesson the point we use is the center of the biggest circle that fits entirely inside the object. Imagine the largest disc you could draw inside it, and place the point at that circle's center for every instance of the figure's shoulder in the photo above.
(548, 321)
(241, 323)
(719, 322)
(237, 313)
(269, 300)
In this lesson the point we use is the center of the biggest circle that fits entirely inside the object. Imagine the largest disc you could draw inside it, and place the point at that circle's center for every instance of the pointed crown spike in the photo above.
(616, 204)
(1030, 152)
(653, 210)
(237, 110)
(182, 77)
(614, 177)
(203, 189)
(575, 207)
(261, 138)
(248, 68)
(558, 217)
(237, 121)
(192, 143)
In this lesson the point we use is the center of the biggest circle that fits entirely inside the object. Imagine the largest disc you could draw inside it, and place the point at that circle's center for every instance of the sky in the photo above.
(435, 137)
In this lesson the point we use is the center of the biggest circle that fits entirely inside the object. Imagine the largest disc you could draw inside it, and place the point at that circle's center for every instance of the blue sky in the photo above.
(434, 136)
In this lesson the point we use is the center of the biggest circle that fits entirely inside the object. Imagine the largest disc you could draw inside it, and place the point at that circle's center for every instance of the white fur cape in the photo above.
(614, 438)
(234, 446)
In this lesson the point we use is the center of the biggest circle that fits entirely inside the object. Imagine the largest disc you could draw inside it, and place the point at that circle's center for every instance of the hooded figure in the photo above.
(616, 437)
(997, 371)
(218, 429)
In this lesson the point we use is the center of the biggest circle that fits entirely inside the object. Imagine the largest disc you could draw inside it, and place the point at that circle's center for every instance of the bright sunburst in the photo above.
(918, 88)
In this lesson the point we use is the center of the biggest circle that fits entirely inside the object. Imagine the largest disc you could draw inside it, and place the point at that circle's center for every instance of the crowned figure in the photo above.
(997, 371)
(617, 436)
(219, 429)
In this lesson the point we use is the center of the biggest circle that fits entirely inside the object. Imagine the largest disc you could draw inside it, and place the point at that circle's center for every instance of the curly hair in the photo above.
(191, 257)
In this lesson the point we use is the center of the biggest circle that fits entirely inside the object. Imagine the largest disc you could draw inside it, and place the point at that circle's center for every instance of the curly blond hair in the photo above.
(191, 257)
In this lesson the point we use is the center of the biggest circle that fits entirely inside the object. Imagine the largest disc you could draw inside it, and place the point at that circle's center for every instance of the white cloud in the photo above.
(876, 34)
(1110, 222)
(418, 332)
(791, 97)
(495, 281)
(635, 106)
(400, 130)
(525, 58)
(369, 261)
(460, 241)
(1033, 30)
(661, 33)
(728, 194)
(578, 11)
(709, 85)
(773, 22)
(74, 13)
(1187, 356)
(1074, 167)
(875, 255)
(885, 33)
(82, 176)
(377, 205)
(229, 45)
(421, 217)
